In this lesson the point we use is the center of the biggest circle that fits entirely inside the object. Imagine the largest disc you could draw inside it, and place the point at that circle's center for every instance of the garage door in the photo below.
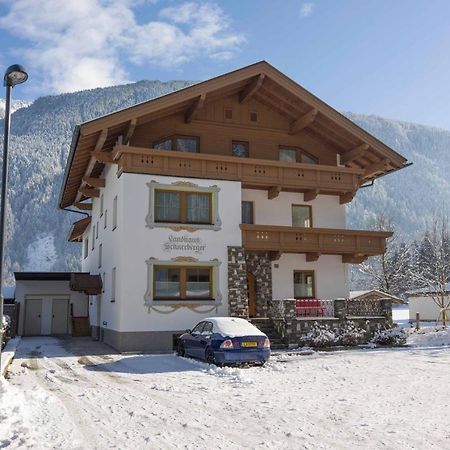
(33, 320)
(60, 316)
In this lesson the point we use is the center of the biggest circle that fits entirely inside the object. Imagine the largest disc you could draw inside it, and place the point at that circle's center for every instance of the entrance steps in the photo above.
(266, 326)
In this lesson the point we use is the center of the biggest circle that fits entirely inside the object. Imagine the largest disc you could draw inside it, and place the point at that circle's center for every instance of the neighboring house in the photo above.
(223, 198)
(374, 294)
(421, 301)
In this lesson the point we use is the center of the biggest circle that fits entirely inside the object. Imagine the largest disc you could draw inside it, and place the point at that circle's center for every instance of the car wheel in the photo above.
(180, 349)
(209, 356)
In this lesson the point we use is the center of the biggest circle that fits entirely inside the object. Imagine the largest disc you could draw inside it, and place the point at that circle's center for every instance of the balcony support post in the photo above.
(273, 192)
(310, 195)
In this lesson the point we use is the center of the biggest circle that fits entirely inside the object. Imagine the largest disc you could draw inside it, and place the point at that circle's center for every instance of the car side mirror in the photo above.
(188, 331)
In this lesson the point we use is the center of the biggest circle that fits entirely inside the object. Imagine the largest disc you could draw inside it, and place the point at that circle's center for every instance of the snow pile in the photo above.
(429, 337)
(14, 431)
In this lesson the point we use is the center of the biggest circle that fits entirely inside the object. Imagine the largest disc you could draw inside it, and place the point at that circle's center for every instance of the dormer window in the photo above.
(179, 143)
(228, 113)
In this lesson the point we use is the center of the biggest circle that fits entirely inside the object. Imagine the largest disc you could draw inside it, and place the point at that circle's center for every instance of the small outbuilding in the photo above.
(53, 303)
(423, 301)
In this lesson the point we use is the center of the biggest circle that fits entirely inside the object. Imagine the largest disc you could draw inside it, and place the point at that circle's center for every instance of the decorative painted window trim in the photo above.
(150, 301)
(184, 186)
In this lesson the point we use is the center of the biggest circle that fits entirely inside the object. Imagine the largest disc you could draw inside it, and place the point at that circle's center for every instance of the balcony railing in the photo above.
(354, 245)
(275, 176)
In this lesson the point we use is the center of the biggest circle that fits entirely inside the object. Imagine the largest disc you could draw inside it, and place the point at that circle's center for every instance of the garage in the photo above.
(51, 305)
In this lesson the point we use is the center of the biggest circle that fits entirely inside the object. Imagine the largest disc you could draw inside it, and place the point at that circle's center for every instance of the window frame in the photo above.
(100, 256)
(251, 202)
(114, 218)
(183, 207)
(298, 154)
(215, 222)
(86, 247)
(225, 110)
(310, 214)
(173, 139)
(183, 283)
(313, 283)
(247, 145)
(101, 205)
(105, 225)
(113, 284)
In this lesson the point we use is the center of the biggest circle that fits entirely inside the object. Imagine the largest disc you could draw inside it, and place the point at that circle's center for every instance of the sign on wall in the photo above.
(184, 243)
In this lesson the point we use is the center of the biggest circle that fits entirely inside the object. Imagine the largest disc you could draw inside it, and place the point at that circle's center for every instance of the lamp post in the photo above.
(14, 74)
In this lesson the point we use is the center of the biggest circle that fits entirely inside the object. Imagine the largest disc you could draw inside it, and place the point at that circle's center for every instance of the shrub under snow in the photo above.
(389, 336)
(322, 335)
(6, 329)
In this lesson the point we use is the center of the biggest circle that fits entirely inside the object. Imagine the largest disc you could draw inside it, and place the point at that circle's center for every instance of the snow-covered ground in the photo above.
(78, 394)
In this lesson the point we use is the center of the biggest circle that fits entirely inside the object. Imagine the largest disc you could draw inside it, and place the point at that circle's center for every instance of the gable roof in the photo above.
(373, 294)
(268, 85)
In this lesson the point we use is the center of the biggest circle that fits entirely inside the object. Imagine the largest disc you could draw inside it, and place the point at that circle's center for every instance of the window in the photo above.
(182, 283)
(114, 218)
(239, 149)
(208, 328)
(296, 155)
(113, 284)
(179, 143)
(103, 282)
(106, 219)
(100, 256)
(304, 284)
(183, 207)
(86, 247)
(247, 212)
(253, 116)
(96, 231)
(101, 205)
(198, 328)
(93, 238)
(228, 113)
(301, 216)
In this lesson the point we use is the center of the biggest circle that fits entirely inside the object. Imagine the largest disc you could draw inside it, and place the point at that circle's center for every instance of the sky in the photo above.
(385, 57)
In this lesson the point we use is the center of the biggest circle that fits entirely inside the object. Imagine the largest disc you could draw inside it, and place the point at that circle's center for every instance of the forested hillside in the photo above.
(41, 137)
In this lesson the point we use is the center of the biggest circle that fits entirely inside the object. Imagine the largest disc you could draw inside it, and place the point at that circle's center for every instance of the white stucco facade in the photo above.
(136, 243)
(427, 308)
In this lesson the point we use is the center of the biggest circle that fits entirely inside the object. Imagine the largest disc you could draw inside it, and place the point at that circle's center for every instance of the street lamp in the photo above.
(14, 75)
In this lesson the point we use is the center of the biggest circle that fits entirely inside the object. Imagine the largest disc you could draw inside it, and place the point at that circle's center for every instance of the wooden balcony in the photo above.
(353, 245)
(273, 176)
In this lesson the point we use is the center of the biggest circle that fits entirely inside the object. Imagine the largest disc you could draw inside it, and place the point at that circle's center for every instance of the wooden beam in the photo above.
(94, 182)
(303, 121)
(89, 192)
(379, 166)
(251, 88)
(195, 107)
(346, 198)
(310, 195)
(130, 131)
(273, 192)
(311, 257)
(354, 259)
(101, 140)
(354, 153)
(83, 206)
(102, 157)
(275, 256)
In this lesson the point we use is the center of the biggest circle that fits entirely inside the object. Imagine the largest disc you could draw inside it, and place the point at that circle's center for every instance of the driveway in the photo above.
(76, 393)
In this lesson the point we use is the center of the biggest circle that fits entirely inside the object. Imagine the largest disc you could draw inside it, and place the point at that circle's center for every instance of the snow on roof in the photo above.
(234, 327)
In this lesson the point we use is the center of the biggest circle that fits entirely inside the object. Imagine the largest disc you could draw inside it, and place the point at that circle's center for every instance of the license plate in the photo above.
(249, 344)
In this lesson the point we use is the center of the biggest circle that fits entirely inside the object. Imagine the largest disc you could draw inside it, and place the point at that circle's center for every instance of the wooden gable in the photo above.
(287, 114)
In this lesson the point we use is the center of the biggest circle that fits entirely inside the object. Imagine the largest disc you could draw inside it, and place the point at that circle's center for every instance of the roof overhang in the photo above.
(87, 283)
(77, 230)
(94, 140)
(43, 276)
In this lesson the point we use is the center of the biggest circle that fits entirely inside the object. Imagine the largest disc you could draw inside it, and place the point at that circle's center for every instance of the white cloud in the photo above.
(306, 9)
(80, 44)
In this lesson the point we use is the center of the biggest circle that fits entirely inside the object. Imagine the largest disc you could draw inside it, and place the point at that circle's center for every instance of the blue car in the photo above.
(225, 340)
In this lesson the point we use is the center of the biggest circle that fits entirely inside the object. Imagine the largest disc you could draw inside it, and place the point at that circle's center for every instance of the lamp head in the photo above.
(15, 74)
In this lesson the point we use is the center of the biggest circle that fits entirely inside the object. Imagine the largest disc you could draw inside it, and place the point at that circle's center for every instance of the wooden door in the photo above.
(251, 294)
(60, 316)
(33, 312)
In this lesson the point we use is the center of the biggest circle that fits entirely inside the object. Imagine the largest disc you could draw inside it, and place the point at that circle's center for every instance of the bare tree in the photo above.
(390, 272)
(431, 271)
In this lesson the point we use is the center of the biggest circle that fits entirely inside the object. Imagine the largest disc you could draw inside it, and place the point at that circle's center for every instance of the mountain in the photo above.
(15, 105)
(41, 134)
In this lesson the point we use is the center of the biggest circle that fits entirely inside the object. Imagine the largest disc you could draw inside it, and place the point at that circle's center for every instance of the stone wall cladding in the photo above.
(237, 282)
(12, 310)
(260, 266)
